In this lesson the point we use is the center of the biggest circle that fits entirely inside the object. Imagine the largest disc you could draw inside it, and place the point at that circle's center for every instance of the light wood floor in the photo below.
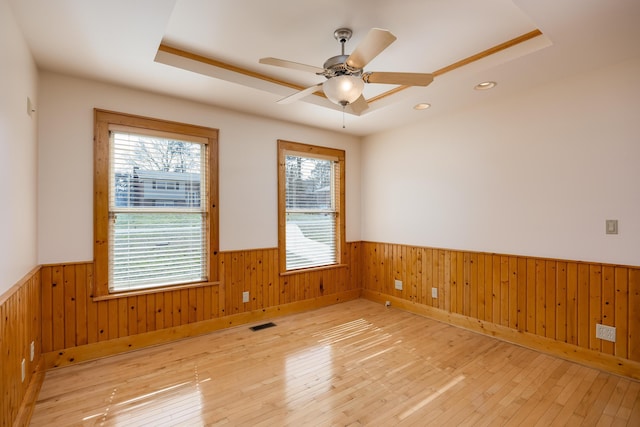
(356, 363)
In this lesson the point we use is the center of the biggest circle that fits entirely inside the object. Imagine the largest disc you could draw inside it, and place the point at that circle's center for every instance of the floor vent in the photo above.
(263, 326)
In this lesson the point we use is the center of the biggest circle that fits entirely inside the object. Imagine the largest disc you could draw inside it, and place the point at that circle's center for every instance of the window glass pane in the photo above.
(310, 211)
(156, 172)
(157, 233)
(308, 183)
(310, 240)
(156, 249)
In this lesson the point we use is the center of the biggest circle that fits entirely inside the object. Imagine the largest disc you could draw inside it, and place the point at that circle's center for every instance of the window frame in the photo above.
(288, 147)
(103, 120)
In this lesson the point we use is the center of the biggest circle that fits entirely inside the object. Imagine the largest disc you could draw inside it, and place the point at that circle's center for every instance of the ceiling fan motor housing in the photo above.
(337, 66)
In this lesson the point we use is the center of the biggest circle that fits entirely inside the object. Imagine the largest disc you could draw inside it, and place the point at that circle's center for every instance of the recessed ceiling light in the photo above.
(421, 106)
(485, 85)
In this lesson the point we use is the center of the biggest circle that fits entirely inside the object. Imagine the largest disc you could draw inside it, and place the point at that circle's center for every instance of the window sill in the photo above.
(125, 294)
(312, 269)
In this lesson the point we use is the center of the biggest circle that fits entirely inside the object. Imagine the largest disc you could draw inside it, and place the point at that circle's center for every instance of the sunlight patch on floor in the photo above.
(431, 397)
(166, 406)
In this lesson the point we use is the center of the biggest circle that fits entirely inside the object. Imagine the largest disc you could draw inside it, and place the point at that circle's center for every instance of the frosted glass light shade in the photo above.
(343, 90)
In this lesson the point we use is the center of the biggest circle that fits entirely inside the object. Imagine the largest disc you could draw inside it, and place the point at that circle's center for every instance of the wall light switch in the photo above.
(434, 292)
(245, 296)
(612, 226)
(399, 285)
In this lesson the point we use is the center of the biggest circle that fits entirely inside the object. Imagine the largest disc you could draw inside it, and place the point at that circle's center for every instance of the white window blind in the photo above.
(157, 209)
(312, 207)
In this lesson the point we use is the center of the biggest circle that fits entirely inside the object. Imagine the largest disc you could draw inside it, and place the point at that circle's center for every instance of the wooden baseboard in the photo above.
(593, 359)
(83, 353)
(29, 399)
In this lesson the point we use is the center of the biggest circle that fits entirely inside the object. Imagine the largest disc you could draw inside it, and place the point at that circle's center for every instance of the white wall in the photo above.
(248, 165)
(18, 161)
(534, 175)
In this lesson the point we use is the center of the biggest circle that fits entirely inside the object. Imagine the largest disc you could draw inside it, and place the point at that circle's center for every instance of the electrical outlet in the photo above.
(399, 285)
(24, 371)
(245, 296)
(434, 292)
(604, 332)
(33, 351)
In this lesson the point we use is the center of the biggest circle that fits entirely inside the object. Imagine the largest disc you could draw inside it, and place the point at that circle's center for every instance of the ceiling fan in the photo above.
(345, 74)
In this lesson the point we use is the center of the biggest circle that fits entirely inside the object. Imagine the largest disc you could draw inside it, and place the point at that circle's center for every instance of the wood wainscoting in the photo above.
(19, 327)
(547, 304)
(76, 328)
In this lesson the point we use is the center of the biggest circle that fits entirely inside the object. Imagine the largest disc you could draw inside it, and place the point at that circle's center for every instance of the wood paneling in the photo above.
(551, 305)
(555, 299)
(19, 326)
(72, 318)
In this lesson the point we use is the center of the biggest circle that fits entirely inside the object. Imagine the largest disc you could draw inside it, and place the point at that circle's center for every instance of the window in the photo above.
(155, 203)
(310, 205)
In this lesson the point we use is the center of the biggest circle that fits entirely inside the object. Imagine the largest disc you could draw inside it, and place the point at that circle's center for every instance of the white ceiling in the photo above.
(117, 41)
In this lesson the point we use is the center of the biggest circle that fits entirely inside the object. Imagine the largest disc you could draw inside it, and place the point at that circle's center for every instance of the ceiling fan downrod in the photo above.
(337, 65)
(342, 35)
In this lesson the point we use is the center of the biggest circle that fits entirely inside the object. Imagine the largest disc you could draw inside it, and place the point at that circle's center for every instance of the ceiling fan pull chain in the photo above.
(343, 126)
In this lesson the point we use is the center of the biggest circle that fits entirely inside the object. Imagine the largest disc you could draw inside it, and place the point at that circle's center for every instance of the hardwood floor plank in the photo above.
(355, 363)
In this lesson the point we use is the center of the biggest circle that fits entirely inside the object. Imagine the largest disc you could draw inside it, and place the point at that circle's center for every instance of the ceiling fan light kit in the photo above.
(344, 73)
(343, 89)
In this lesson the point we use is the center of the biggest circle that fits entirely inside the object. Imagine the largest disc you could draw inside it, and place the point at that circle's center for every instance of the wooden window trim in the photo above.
(157, 290)
(319, 151)
(103, 120)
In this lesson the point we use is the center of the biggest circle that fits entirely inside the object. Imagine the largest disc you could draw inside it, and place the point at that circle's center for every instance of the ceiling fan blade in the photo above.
(299, 95)
(359, 105)
(290, 64)
(403, 79)
(375, 42)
